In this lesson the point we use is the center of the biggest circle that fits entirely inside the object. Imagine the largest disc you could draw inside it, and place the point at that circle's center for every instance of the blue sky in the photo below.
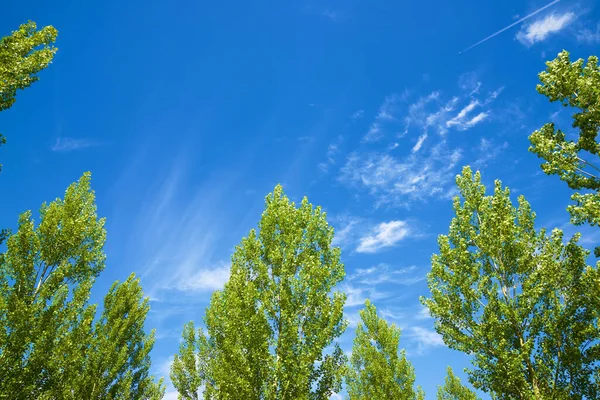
(189, 113)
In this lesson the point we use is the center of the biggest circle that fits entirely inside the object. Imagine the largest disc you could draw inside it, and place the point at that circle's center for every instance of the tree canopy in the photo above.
(522, 302)
(50, 346)
(576, 85)
(378, 369)
(270, 332)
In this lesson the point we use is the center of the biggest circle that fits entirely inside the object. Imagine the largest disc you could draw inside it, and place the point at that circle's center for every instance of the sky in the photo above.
(189, 113)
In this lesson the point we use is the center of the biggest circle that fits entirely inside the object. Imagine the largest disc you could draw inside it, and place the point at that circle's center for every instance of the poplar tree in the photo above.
(270, 333)
(575, 85)
(378, 369)
(453, 389)
(50, 346)
(522, 302)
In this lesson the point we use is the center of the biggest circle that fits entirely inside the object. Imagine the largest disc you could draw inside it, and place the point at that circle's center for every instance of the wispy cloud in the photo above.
(385, 114)
(386, 234)
(66, 144)
(398, 181)
(431, 113)
(357, 114)
(382, 273)
(332, 150)
(423, 313)
(541, 29)
(589, 36)
(208, 279)
(419, 143)
(356, 296)
(462, 120)
(510, 26)
(175, 249)
(426, 338)
(488, 151)
(346, 230)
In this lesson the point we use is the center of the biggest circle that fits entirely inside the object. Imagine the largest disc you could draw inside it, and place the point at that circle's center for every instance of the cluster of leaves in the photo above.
(269, 327)
(23, 54)
(50, 345)
(575, 161)
(524, 303)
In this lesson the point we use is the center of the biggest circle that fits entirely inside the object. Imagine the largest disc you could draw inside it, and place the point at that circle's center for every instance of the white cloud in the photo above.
(459, 119)
(356, 296)
(174, 241)
(423, 313)
(164, 368)
(426, 338)
(468, 82)
(539, 30)
(488, 151)
(386, 234)
(382, 273)
(589, 36)
(332, 150)
(476, 119)
(345, 230)
(385, 115)
(419, 143)
(205, 280)
(357, 114)
(398, 181)
(66, 144)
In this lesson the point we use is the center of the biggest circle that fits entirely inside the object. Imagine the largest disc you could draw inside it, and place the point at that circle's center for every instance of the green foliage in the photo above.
(187, 374)
(524, 304)
(49, 346)
(574, 85)
(453, 389)
(269, 329)
(377, 371)
(23, 54)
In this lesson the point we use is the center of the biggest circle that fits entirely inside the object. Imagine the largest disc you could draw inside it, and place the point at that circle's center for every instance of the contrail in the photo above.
(510, 26)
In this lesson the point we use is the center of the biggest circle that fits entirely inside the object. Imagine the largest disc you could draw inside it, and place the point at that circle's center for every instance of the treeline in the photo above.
(522, 302)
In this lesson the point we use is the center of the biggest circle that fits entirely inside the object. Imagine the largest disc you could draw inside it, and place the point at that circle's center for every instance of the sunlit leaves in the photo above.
(378, 370)
(576, 85)
(522, 302)
(270, 332)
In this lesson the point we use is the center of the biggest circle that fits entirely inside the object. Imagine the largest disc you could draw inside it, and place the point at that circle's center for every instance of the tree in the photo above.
(523, 303)
(376, 369)
(453, 389)
(187, 374)
(23, 54)
(116, 351)
(575, 85)
(270, 332)
(50, 346)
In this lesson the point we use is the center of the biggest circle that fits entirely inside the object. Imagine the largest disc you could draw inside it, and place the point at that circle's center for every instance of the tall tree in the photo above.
(271, 330)
(187, 374)
(453, 389)
(575, 161)
(377, 370)
(49, 345)
(115, 351)
(23, 54)
(523, 303)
